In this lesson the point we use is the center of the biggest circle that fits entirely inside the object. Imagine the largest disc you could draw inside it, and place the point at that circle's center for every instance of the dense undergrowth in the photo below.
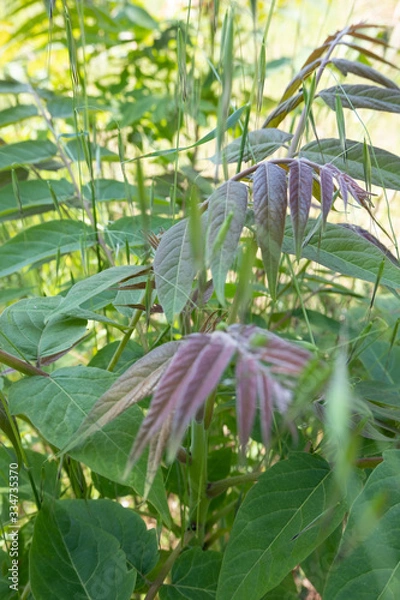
(199, 288)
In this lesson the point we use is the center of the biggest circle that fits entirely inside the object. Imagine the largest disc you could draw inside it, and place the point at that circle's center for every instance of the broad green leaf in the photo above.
(74, 558)
(270, 206)
(76, 152)
(139, 17)
(8, 116)
(363, 96)
(284, 517)
(137, 542)
(26, 332)
(174, 269)
(381, 392)
(58, 406)
(367, 564)
(363, 70)
(25, 153)
(226, 209)
(107, 190)
(34, 197)
(344, 251)
(93, 286)
(194, 576)
(130, 230)
(259, 144)
(381, 361)
(44, 243)
(385, 166)
(63, 107)
(316, 566)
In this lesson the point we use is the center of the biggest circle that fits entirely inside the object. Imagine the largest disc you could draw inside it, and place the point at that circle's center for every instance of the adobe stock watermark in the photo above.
(13, 527)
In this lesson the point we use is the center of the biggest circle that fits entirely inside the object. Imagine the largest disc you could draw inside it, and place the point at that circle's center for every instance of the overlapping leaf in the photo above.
(363, 70)
(226, 217)
(363, 96)
(385, 166)
(270, 205)
(34, 197)
(300, 192)
(259, 144)
(174, 269)
(26, 153)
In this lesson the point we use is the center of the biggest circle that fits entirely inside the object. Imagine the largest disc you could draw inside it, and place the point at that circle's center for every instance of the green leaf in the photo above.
(131, 353)
(24, 333)
(44, 243)
(259, 144)
(93, 286)
(35, 197)
(385, 166)
(229, 199)
(72, 558)
(76, 152)
(363, 96)
(130, 230)
(362, 70)
(284, 517)
(137, 542)
(174, 269)
(58, 406)
(367, 564)
(194, 576)
(107, 190)
(25, 153)
(8, 116)
(344, 251)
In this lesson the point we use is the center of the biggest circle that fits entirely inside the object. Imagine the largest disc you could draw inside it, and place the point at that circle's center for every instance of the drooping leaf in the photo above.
(260, 143)
(170, 389)
(363, 70)
(270, 205)
(307, 69)
(229, 199)
(26, 332)
(44, 242)
(283, 518)
(59, 405)
(282, 110)
(174, 269)
(56, 566)
(385, 166)
(107, 190)
(327, 191)
(246, 396)
(135, 384)
(300, 193)
(367, 564)
(363, 96)
(18, 113)
(194, 576)
(34, 197)
(25, 153)
(344, 251)
(93, 286)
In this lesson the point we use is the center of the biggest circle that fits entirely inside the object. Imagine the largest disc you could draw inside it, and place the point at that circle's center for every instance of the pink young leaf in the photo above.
(246, 395)
(207, 370)
(135, 384)
(265, 393)
(157, 447)
(270, 205)
(300, 193)
(327, 191)
(170, 389)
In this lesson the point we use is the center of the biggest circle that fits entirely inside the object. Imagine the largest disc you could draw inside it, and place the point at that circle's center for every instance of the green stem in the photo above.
(125, 340)
(218, 487)
(197, 470)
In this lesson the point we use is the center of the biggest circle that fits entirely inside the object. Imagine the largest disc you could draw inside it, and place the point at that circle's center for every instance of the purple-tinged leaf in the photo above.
(246, 395)
(170, 390)
(202, 379)
(226, 216)
(174, 269)
(270, 205)
(265, 393)
(135, 384)
(300, 193)
(327, 191)
(157, 447)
